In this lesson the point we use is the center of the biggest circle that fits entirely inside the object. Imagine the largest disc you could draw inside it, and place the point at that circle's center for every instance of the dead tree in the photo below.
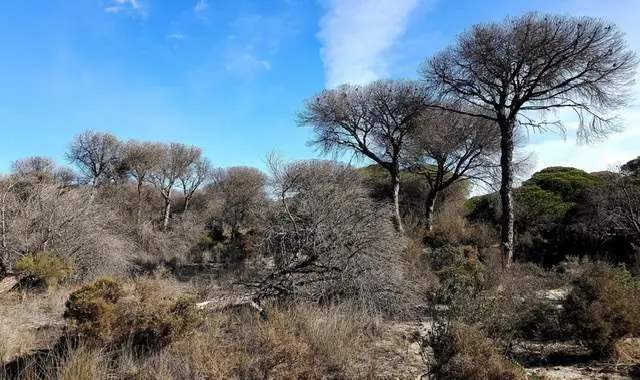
(174, 161)
(240, 192)
(369, 121)
(197, 174)
(329, 239)
(447, 147)
(97, 156)
(522, 68)
(139, 160)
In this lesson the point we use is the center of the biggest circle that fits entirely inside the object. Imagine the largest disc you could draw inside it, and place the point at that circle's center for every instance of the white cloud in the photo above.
(245, 62)
(617, 149)
(201, 6)
(356, 35)
(176, 36)
(254, 42)
(125, 6)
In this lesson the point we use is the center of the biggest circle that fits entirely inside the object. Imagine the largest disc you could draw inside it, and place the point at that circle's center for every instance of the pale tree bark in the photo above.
(140, 159)
(447, 147)
(506, 192)
(429, 209)
(193, 178)
(397, 217)
(167, 212)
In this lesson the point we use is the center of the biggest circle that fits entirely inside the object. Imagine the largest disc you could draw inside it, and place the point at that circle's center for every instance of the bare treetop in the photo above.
(460, 142)
(141, 157)
(538, 62)
(369, 121)
(173, 162)
(96, 154)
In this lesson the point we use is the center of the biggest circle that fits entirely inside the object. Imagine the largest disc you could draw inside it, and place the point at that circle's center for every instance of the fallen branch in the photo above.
(8, 283)
(230, 302)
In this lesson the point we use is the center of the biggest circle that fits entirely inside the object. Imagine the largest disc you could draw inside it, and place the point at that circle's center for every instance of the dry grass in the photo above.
(83, 363)
(294, 342)
(29, 321)
(300, 340)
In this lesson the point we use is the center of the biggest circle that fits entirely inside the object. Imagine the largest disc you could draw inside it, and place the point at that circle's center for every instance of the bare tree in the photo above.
(528, 65)
(140, 159)
(370, 121)
(173, 162)
(97, 156)
(241, 194)
(448, 147)
(38, 169)
(198, 173)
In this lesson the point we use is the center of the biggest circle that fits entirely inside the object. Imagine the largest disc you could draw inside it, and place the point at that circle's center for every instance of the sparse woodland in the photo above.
(142, 260)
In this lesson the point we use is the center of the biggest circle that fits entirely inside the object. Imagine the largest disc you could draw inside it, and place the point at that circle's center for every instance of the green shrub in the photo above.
(603, 306)
(44, 268)
(94, 308)
(540, 320)
(460, 271)
(462, 352)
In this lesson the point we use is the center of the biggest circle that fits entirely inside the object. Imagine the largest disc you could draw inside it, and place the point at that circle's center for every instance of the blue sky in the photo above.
(230, 75)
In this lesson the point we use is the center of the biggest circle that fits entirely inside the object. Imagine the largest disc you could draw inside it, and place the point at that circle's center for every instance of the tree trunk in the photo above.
(507, 127)
(186, 203)
(429, 207)
(395, 182)
(4, 257)
(139, 206)
(167, 213)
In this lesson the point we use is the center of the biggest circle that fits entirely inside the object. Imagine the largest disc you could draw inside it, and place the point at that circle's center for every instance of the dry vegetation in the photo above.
(147, 263)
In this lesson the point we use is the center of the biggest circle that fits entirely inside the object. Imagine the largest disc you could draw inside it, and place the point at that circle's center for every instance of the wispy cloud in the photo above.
(201, 6)
(254, 41)
(176, 36)
(356, 34)
(244, 61)
(125, 6)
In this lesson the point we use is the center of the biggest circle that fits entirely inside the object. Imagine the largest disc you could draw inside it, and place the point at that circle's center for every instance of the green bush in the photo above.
(460, 270)
(540, 320)
(603, 306)
(94, 308)
(462, 352)
(44, 268)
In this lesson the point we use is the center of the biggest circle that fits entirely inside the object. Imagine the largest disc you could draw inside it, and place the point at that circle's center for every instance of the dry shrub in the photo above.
(69, 224)
(506, 306)
(301, 341)
(106, 312)
(627, 351)
(450, 226)
(418, 270)
(330, 241)
(462, 352)
(604, 306)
